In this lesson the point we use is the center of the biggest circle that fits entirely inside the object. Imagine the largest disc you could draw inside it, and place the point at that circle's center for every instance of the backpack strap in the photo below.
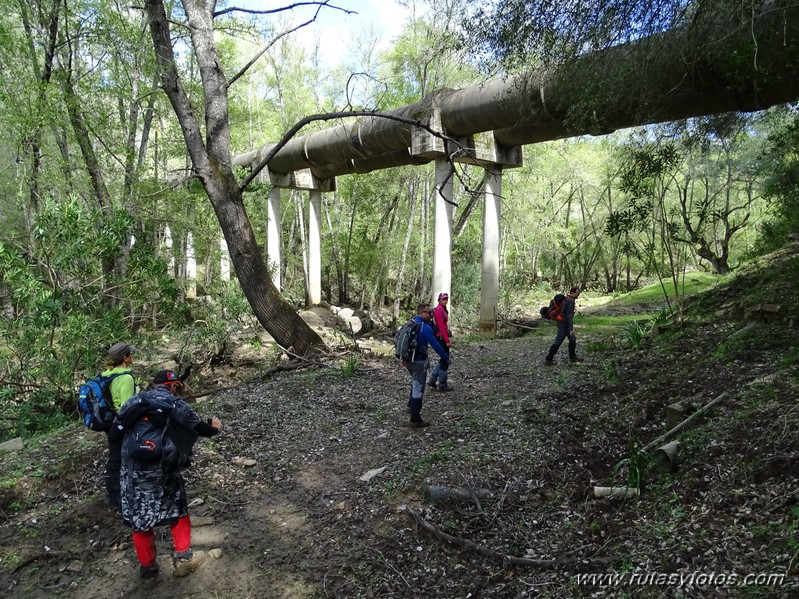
(110, 379)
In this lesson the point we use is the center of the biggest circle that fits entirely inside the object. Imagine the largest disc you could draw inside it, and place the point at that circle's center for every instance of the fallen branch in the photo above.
(682, 424)
(33, 558)
(516, 561)
(515, 324)
(471, 492)
(294, 365)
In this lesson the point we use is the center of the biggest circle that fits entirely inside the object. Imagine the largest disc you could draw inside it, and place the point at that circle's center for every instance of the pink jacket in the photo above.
(441, 318)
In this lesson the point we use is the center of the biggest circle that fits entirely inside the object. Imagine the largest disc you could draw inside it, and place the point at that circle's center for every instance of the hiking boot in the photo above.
(548, 362)
(575, 359)
(149, 576)
(431, 384)
(187, 562)
(445, 387)
(420, 423)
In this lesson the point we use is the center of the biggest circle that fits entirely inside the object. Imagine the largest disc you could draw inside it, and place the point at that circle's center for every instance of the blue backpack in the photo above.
(95, 404)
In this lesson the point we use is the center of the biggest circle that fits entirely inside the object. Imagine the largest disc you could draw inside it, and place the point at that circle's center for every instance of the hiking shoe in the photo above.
(575, 359)
(431, 384)
(149, 576)
(548, 362)
(445, 387)
(420, 423)
(187, 562)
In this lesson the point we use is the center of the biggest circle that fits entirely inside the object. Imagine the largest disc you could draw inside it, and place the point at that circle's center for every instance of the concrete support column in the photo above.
(191, 267)
(170, 255)
(442, 229)
(224, 260)
(489, 267)
(314, 284)
(273, 228)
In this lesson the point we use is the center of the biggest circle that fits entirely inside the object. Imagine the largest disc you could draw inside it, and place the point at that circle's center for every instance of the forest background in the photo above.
(100, 209)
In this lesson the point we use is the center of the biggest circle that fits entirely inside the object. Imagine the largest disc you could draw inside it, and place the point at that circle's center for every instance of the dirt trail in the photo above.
(298, 523)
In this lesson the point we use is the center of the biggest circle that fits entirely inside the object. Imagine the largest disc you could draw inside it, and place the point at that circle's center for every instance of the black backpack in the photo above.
(553, 310)
(95, 403)
(406, 342)
(152, 435)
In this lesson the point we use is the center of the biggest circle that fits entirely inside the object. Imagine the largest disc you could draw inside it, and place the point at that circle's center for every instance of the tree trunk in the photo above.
(49, 25)
(413, 192)
(211, 162)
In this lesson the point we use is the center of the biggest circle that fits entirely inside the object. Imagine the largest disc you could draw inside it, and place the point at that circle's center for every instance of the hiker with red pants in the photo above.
(565, 321)
(438, 378)
(153, 492)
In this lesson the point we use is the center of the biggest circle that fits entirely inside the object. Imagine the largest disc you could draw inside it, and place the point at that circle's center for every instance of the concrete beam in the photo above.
(301, 179)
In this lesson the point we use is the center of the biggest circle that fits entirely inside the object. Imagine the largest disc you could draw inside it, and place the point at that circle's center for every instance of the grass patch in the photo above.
(609, 325)
(695, 282)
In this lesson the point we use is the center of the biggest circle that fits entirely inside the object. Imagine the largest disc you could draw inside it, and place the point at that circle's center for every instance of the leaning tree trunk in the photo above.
(273, 312)
(211, 162)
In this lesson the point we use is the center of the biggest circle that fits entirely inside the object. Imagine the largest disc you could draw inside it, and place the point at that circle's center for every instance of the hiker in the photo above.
(438, 378)
(418, 367)
(122, 388)
(153, 491)
(565, 322)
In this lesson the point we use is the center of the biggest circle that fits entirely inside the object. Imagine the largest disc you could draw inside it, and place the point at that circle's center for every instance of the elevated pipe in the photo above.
(742, 65)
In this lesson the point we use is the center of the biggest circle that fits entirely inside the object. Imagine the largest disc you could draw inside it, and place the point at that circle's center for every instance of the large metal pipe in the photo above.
(742, 65)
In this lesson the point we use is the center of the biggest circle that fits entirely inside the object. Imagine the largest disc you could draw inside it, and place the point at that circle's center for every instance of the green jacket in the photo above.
(122, 387)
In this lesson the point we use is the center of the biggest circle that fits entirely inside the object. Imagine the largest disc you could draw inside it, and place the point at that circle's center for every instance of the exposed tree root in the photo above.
(516, 561)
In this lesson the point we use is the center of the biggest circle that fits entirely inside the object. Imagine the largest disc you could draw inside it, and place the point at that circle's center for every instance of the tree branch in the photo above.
(272, 42)
(323, 4)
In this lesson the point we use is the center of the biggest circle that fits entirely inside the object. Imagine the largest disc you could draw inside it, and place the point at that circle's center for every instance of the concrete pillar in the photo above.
(169, 253)
(315, 248)
(191, 267)
(442, 229)
(273, 228)
(224, 260)
(489, 267)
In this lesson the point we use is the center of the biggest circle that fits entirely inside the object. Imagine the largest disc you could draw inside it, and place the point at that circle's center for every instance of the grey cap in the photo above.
(118, 351)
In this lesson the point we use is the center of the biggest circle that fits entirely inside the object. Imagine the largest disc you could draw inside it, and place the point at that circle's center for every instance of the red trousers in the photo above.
(144, 542)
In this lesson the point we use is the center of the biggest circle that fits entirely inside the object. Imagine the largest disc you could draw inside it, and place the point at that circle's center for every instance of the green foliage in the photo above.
(65, 313)
(349, 367)
(215, 319)
(732, 348)
(441, 454)
(466, 287)
(781, 159)
(634, 467)
(791, 357)
(523, 31)
(9, 558)
(633, 333)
